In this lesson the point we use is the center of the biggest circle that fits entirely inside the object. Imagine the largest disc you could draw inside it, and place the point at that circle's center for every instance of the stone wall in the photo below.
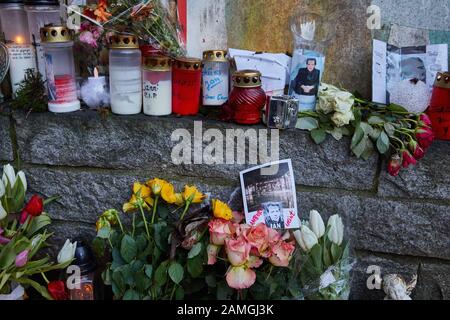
(400, 224)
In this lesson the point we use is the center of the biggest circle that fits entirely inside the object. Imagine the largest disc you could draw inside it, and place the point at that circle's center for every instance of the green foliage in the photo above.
(31, 94)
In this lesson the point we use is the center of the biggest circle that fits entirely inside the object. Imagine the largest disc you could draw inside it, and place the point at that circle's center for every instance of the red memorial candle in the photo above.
(439, 110)
(186, 82)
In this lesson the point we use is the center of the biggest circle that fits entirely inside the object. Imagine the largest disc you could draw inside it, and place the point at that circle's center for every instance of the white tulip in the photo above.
(67, 252)
(336, 232)
(36, 240)
(3, 212)
(21, 177)
(316, 223)
(298, 237)
(2, 189)
(306, 238)
(9, 175)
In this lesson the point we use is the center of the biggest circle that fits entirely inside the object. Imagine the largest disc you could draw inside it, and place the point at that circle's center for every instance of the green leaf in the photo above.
(195, 251)
(367, 128)
(395, 108)
(131, 294)
(195, 266)
(179, 293)
(163, 211)
(360, 147)
(104, 233)
(106, 276)
(99, 246)
(375, 134)
(118, 283)
(316, 255)
(161, 274)
(117, 260)
(224, 292)
(390, 129)
(38, 223)
(318, 135)
(142, 281)
(149, 270)
(336, 252)
(368, 152)
(357, 137)
(128, 248)
(307, 123)
(176, 272)
(337, 134)
(7, 256)
(326, 258)
(36, 286)
(383, 143)
(376, 120)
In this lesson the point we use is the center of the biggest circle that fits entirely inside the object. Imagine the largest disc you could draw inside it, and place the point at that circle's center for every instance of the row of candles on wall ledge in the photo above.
(155, 84)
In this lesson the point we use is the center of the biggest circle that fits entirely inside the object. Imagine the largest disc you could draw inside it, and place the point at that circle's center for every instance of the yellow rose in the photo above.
(191, 194)
(179, 199)
(141, 190)
(101, 223)
(156, 185)
(221, 210)
(168, 193)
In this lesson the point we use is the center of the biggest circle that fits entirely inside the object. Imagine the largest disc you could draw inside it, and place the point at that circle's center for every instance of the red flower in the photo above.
(57, 290)
(408, 159)
(35, 206)
(23, 217)
(425, 137)
(395, 165)
(425, 120)
(416, 150)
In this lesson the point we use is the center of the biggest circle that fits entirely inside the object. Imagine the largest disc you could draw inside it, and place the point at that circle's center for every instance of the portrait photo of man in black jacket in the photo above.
(308, 79)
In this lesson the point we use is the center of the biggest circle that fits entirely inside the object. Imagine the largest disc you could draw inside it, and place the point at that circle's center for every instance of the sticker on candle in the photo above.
(21, 58)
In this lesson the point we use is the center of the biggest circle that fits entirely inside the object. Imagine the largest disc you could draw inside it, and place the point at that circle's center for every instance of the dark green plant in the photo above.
(31, 94)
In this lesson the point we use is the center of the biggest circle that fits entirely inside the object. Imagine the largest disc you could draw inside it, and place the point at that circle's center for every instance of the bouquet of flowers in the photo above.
(250, 254)
(160, 253)
(22, 237)
(323, 265)
(390, 130)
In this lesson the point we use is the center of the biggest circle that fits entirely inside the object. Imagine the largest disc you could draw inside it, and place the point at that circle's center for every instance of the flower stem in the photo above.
(145, 221)
(120, 223)
(188, 203)
(134, 224)
(173, 292)
(45, 278)
(154, 209)
(401, 142)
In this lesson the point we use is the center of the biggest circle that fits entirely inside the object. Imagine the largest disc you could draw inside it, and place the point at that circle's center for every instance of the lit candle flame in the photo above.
(95, 72)
(19, 40)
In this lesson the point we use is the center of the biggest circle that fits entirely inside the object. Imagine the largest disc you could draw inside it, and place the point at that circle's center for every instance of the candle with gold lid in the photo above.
(125, 74)
(215, 77)
(157, 86)
(60, 69)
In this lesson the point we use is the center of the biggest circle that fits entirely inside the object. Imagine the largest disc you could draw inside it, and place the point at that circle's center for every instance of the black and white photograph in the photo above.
(270, 199)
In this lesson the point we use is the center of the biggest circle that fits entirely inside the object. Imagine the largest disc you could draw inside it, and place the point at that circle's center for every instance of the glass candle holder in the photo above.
(216, 77)
(84, 259)
(157, 86)
(125, 75)
(186, 82)
(41, 13)
(14, 24)
(60, 69)
(312, 33)
(439, 110)
(247, 99)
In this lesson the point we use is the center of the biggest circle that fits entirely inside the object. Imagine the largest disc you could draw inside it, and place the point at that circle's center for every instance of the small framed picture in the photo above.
(269, 196)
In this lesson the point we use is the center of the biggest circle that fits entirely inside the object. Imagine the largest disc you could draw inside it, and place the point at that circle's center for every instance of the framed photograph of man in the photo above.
(270, 199)
(306, 75)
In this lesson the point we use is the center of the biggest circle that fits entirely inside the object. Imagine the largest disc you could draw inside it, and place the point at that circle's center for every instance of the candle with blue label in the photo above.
(215, 78)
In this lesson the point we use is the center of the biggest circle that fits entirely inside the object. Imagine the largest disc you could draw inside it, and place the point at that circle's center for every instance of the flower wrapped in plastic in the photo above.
(324, 264)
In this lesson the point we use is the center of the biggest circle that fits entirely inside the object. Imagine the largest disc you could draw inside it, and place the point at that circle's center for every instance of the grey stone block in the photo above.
(396, 227)
(85, 195)
(430, 179)
(6, 151)
(434, 281)
(139, 142)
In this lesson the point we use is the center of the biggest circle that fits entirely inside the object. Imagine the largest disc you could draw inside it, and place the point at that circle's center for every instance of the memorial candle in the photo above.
(125, 75)
(157, 86)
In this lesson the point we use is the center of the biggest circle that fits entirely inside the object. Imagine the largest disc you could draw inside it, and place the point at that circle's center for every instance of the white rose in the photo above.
(342, 119)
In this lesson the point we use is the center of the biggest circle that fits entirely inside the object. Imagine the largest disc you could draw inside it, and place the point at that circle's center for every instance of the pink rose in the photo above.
(282, 254)
(240, 278)
(212, 251)
(238, 251)
(220, 230)
(274, 236)
(254, 262)
(258, 237)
